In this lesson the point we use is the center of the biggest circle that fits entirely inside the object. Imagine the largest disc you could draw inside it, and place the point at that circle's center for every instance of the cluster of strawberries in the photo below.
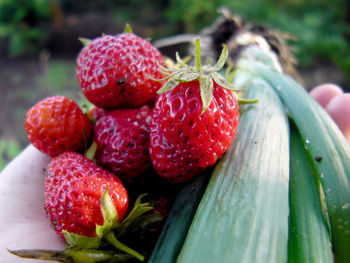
(177, 125)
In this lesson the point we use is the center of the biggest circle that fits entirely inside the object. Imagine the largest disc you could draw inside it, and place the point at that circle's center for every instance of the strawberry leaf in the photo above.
(168, 86)
(206, 91)
(165, 71)
(186, 76)
(221, 81)
(40, 254)
(222, 59)
(135, 213)
(102, 230)
(138, 210)
(79, 241)
(145, 222)
(110, 215)
(180, 61)
(70, 255)
(159, 80)
(139, 199)
(229, 74)
(109, 212)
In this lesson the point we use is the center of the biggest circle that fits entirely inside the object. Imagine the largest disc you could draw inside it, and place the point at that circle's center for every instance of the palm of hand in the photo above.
(23, 223)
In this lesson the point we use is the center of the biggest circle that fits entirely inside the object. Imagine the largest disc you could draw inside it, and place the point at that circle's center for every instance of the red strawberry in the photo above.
(73, 189)
(96, 113)
(162, 205)
(56, 125)
(114, 71)
(194, 121)
(122, 138)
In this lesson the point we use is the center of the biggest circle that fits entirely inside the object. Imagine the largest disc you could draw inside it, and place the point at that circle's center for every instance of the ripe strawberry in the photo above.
(194, 120)
(73, 189)
(122, 138)
(114, 71)
(56, 125)
(96, 113)
(162, 205)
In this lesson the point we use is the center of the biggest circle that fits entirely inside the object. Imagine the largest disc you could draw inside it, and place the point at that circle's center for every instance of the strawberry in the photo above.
(56, 125)
(95, 113)
(162, 205)
(116, 71)
(122, 138)
(73, 189)
(194, 120)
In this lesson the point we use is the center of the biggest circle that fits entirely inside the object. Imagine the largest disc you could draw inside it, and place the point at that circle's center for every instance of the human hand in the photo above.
(337, 103)
(23, 223)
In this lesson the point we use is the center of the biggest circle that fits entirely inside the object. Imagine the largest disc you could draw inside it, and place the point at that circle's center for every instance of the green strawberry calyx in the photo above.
(110, 215)
(206, 75)
(111, 228)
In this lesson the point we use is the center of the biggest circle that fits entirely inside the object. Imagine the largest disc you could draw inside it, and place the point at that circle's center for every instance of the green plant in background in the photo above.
(20, 24)
(58, 77)
(195, 14)
(321, 26)
(9, 148)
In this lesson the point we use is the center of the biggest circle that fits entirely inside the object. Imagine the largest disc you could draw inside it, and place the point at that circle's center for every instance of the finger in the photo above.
(339, 109)
(325, 92)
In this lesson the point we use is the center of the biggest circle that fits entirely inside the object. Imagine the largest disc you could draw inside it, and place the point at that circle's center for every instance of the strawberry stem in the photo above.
(110, 237)
(198, 56)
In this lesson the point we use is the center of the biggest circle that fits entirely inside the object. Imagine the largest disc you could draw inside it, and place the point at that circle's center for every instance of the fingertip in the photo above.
(339, 109)
(325, 92)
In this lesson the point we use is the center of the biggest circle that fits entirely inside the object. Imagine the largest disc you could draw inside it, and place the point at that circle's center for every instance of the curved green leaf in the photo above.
(222, 59)
(171, 84)
(221, 81)
(206, 91)
(80, 241)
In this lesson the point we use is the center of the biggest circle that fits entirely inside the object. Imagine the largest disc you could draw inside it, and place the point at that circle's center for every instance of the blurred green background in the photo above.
(39, 43)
